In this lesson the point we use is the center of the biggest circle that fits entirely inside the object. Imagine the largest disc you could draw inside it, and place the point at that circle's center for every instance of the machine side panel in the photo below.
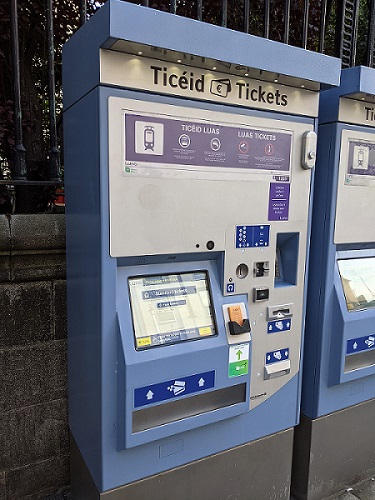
(319, 265)
(81, 57)
(81, 138)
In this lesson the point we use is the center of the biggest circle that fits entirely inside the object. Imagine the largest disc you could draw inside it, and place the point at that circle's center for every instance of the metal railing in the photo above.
(345, 29)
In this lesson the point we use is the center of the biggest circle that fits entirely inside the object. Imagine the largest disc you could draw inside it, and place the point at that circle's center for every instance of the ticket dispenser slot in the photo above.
(277, 369)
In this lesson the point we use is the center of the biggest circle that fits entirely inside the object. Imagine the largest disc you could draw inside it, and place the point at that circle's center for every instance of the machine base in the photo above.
(260, 469)
(333, 452)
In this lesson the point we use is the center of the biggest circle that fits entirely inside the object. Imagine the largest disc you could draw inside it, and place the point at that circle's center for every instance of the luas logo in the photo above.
(220, 87)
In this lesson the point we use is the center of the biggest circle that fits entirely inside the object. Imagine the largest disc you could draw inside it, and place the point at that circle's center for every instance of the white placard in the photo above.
(130, 71)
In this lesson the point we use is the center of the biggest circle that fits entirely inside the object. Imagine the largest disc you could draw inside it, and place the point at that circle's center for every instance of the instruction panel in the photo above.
(177, 143)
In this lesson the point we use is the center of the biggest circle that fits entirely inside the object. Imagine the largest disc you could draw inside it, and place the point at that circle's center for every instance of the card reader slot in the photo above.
(148, 418)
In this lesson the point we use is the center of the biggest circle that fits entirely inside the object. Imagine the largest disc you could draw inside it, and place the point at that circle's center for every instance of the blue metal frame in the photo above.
(92, 278)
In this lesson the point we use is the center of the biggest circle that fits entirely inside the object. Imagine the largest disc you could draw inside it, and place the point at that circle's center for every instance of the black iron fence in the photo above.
(32, 33)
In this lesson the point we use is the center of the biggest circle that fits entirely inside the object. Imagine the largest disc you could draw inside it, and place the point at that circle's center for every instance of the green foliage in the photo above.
(33, 55)
(33, 67)
(33, 51)
(363, 26)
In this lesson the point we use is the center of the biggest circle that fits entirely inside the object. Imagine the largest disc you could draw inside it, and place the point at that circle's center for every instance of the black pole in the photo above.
(370, 49)
(200, 10)
(19, 149)
(224, 13)
(305, 28)
(267, 12)
(54, 153)
(346, 31)
(286, 21)
(246, 16)
(323, 22)
(173, 6)
(82, 12)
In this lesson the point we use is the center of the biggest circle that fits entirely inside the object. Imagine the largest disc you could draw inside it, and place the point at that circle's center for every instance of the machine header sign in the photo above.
(357, 112)
(127, 70)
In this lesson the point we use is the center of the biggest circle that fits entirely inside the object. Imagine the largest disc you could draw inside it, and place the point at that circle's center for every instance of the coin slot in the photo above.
(242, 271)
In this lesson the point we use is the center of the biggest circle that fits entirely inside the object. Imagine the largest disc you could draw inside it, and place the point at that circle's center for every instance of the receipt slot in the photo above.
(188, 206)
(334, 444)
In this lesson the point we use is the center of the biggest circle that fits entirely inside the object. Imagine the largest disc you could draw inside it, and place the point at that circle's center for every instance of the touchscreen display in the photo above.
(171, 308)
(358, 282)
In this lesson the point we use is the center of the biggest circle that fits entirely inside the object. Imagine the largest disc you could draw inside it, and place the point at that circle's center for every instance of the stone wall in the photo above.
(34, 445)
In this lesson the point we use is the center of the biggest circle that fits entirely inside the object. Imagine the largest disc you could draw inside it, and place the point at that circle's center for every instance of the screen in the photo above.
(171, 308)
(358, 282)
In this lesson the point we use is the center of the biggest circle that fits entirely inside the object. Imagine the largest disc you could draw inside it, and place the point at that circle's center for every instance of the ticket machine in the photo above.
(189, 157)
(335, 442)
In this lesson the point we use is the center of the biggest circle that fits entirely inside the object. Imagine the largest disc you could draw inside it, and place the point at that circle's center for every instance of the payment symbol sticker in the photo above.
(221, 87)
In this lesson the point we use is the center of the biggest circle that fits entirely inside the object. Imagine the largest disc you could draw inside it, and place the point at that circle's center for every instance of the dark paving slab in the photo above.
(366, 491)
(363, 491)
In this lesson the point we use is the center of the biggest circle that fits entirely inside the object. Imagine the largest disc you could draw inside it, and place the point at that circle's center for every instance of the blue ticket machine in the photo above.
(335, 442)
(189, 153)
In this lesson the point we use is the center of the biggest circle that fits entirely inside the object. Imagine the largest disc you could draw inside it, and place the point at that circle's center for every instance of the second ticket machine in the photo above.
(335, 442)
(189, 158)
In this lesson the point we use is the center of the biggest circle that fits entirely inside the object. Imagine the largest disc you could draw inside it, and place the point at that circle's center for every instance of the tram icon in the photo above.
(149, 138)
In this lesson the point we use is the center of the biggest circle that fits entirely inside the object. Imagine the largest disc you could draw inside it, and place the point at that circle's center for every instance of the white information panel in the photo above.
(355, 191)
(130, 71)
